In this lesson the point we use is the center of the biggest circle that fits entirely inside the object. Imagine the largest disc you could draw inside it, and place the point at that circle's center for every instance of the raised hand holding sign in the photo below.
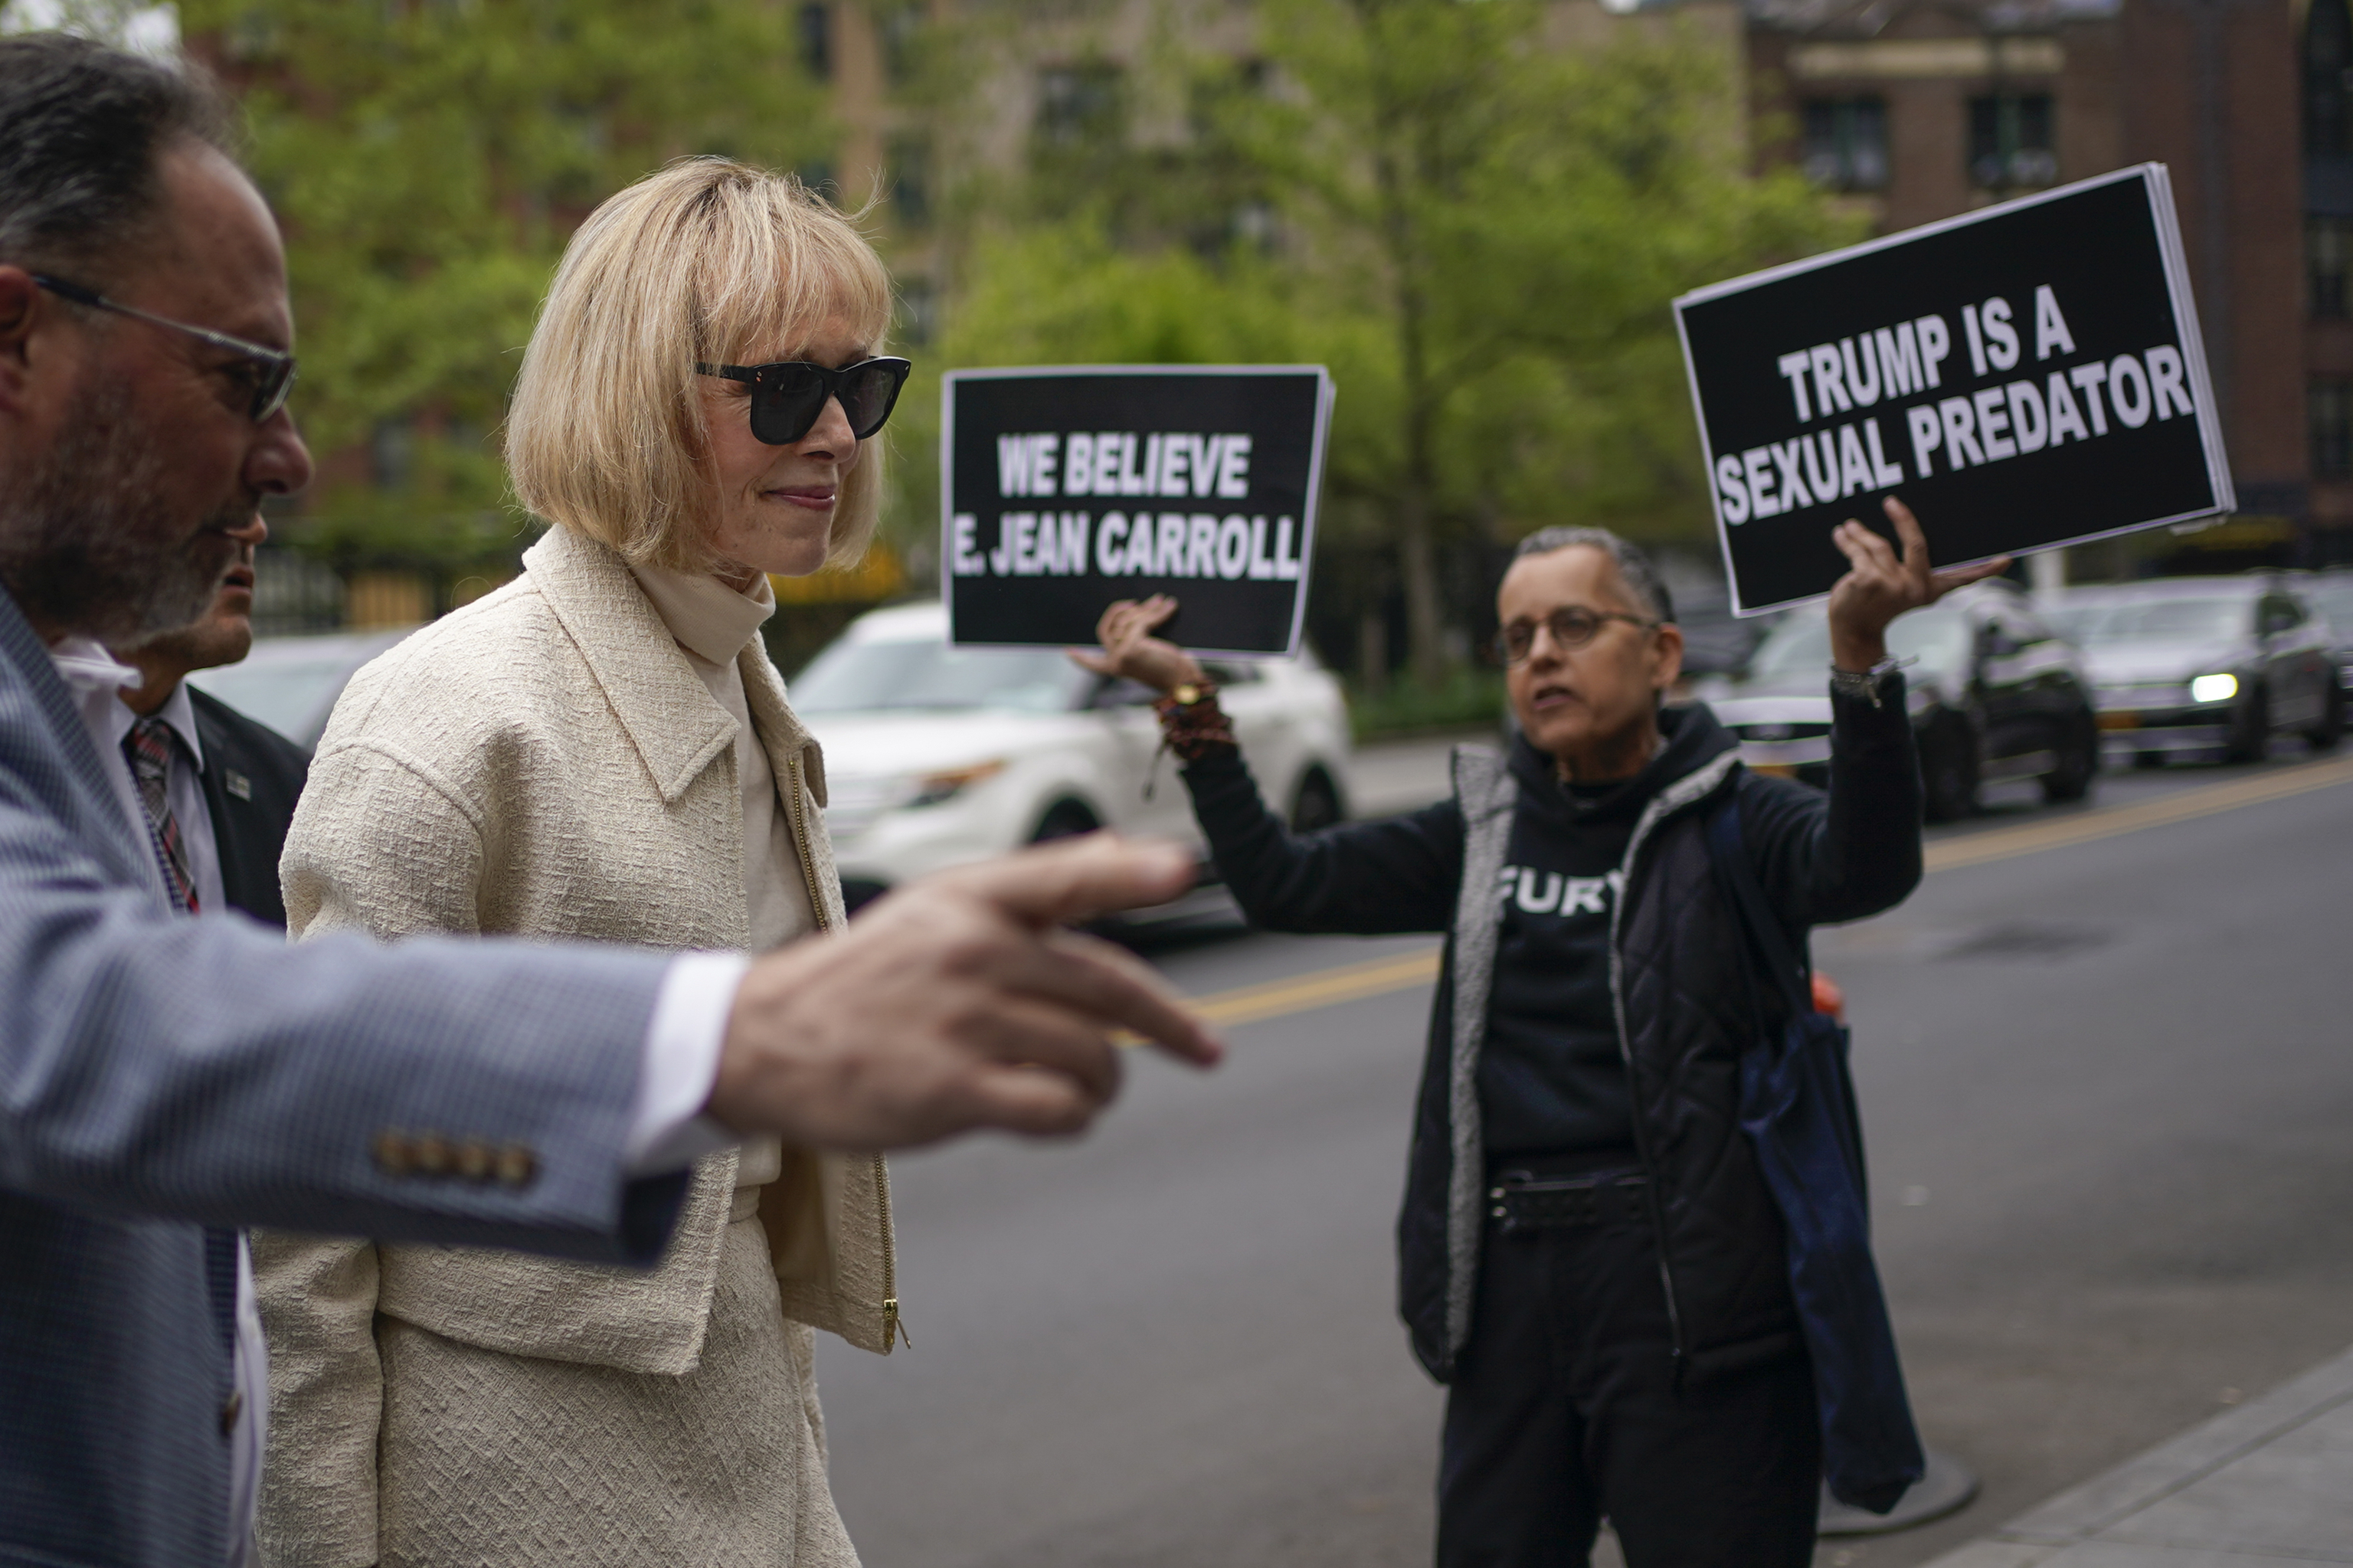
(2031, 372)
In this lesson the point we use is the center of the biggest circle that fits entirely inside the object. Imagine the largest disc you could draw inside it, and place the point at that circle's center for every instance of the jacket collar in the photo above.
(1690, 737)
(672, 720)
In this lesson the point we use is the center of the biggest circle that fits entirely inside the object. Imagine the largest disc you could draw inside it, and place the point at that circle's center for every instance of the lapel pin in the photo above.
(237, 784)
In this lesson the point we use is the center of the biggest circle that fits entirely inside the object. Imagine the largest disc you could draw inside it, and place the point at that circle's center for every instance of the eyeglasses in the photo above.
(788, 396)
(267, 374)
(1572, 626)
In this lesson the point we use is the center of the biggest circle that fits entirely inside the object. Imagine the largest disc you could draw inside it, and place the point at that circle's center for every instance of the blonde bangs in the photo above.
(707, 261)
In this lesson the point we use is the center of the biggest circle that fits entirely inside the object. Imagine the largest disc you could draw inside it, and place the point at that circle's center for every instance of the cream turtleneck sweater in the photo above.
(713, 623)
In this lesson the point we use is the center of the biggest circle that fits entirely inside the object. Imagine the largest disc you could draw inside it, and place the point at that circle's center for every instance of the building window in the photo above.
(900, 29)
(910, 180)
(2327, 52)
(1846, 143)
(2328, 243)
(392, 452)
(919, 312)
(2329, 400)
(1079, 105)
(815, 25)
(2010, 142)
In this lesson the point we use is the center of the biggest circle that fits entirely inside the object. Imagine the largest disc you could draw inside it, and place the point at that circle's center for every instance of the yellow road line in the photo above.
(2002, 843)
(1320, 988)
(1406, 971)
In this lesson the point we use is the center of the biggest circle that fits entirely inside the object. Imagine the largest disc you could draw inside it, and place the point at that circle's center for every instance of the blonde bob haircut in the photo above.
(707, 261)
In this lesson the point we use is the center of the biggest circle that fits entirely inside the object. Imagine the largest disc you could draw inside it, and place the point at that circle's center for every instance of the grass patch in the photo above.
(1466, 699)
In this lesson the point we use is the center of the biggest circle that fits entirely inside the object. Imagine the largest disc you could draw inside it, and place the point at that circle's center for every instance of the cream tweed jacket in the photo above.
(546, 763)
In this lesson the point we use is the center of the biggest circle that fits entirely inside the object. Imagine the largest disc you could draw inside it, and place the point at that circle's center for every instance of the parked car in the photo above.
(290, 683)
(935, 756)
(2330, 594)
(2205, 666)
(1995, 693)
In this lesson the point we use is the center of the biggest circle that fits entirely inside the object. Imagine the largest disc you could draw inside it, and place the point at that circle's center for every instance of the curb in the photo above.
(2081, 1515)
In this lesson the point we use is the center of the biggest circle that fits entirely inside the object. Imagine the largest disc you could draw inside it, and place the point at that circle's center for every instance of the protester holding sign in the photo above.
(1589, 1256)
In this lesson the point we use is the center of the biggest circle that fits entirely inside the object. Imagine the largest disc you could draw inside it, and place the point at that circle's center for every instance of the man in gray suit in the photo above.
(164, 1078)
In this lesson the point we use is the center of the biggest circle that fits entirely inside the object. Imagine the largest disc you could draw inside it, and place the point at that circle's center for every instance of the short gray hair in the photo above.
(1642, 578)
(81, 127)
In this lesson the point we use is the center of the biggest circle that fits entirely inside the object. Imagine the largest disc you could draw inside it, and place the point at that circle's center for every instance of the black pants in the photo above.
(1564, 1411)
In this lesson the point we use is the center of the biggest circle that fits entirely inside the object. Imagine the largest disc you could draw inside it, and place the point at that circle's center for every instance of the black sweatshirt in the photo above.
(1552, 1078)
(1551, 1075)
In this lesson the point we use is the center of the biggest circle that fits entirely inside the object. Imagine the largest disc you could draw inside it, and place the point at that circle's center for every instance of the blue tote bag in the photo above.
(1796, 1106)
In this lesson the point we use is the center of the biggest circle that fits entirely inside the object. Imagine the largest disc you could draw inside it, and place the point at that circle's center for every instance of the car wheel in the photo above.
(1064, 820)
(2079, 759)
(2324, 735)
(1316, 803)
(1949, 769)
(2251, 729)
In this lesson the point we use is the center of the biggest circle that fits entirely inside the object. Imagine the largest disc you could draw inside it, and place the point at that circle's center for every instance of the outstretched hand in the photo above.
(1131, 652)
(1879, 587)
(958, 1002)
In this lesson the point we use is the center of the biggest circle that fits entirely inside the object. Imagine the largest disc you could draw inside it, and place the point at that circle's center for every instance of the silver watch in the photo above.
(1872, 685)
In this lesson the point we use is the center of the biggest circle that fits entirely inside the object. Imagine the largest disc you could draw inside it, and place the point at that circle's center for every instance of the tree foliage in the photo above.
(429, 159)
(1477, 225)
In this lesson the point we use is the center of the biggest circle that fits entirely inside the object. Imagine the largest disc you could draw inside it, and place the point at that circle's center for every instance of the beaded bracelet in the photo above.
(1193, 726)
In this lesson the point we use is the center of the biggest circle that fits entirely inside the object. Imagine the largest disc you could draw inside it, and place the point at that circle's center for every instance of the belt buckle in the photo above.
(1522, 1202)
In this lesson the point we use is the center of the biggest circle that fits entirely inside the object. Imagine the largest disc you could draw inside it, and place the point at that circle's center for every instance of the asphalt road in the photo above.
(2103, 1060)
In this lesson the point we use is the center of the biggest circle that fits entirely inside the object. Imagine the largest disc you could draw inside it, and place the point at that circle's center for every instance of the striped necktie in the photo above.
(148, 748)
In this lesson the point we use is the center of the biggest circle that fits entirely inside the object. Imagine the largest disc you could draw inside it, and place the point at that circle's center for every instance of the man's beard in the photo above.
(91, 539)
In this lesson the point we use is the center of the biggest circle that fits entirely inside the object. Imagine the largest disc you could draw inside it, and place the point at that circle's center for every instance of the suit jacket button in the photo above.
(393, 1155)
(474, 1159)
(434, 1157)
(231, 1408)
(517, 1165)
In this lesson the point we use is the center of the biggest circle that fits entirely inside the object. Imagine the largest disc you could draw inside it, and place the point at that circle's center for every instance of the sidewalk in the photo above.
(2267, 1484)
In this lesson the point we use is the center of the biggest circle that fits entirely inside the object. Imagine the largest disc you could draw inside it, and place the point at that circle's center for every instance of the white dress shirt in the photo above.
(679, 1063)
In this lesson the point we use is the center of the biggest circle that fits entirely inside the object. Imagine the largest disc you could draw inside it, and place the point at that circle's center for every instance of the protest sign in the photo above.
(2027, 375)
(1065, 488)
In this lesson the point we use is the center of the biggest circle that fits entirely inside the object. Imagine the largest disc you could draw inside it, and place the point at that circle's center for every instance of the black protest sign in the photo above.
(2025, 376)
(1065, 489)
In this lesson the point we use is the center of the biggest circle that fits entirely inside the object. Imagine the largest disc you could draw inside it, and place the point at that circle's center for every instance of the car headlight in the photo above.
(2213, 688)
(853, 802)
(931, 788)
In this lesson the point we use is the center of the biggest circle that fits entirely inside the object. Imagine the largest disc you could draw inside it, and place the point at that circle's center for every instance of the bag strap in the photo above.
(1726, 847)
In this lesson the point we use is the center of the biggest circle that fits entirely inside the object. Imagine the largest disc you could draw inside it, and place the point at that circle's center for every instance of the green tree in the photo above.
(1479, 228)
(429, 159)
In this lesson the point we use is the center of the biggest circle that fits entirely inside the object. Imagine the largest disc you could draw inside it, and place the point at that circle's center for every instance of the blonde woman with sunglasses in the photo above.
(603, 749)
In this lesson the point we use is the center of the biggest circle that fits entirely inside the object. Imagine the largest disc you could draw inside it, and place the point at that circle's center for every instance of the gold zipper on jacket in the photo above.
(892, 1322)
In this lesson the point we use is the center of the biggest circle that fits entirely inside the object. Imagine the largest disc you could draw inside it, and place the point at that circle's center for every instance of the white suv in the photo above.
(936, 756)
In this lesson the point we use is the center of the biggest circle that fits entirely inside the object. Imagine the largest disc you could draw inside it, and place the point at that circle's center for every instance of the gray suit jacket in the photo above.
(158, 1075)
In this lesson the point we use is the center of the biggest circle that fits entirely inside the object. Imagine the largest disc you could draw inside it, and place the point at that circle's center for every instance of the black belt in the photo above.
(1520, 1200)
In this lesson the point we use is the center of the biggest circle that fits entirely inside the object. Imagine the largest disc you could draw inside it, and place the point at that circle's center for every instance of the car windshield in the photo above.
(2334, 599)
(1801, 644)
(291, 695)
(879, 677)
(2072, 620)
(2202, 618)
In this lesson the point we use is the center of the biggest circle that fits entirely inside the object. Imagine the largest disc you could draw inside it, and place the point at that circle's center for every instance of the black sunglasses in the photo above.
(1572, 626)
(268, 373)
(788, 396)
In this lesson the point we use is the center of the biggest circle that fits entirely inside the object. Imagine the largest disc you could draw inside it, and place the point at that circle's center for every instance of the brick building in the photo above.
(1921, 109)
